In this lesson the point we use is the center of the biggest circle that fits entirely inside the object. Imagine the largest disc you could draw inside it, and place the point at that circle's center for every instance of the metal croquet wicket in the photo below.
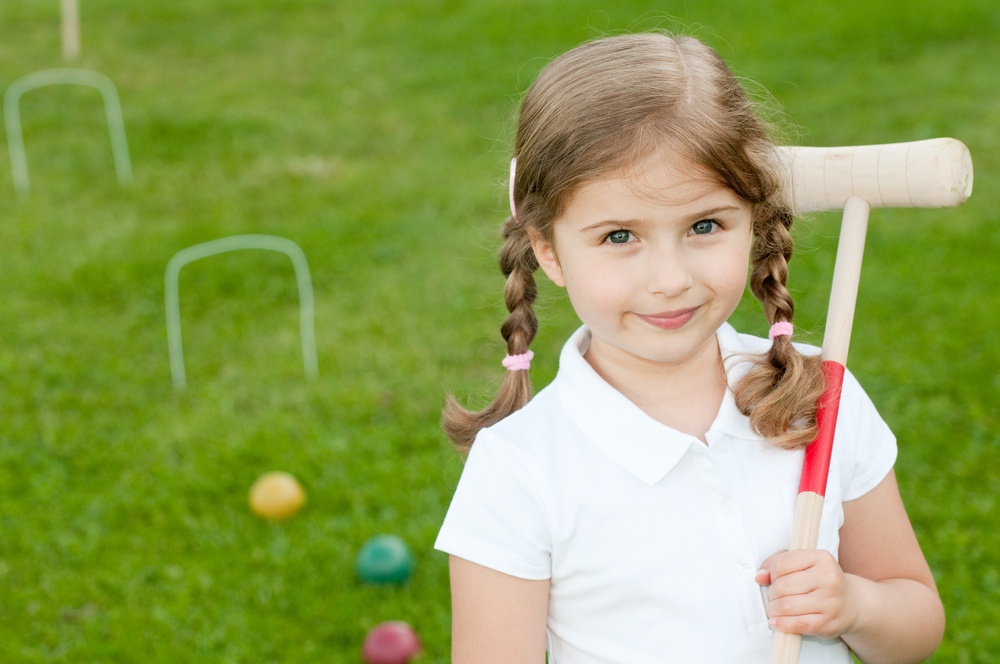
(38, 79)
(233, 243)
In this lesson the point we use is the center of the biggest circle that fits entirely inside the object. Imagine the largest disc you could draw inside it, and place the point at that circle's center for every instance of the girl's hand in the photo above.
(808, 593)
(880, 599)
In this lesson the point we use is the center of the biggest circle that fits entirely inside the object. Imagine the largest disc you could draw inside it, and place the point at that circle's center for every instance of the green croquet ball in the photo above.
(384, 559)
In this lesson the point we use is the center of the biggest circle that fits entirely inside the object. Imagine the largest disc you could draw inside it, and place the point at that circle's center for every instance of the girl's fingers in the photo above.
(792, 585)
(799, 624)
(803, 614)
(799, 572)
(763, 577)
(794, 605)
(790, 562)
(809, 601)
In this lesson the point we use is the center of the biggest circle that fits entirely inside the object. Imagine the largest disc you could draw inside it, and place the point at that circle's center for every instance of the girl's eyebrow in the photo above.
(614, 223)
(633, 223)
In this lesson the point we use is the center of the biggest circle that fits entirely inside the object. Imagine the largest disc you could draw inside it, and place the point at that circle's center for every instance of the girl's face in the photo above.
(653, 262)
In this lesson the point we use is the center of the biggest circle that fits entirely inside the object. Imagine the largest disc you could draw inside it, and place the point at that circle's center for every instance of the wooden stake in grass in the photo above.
(70, 12)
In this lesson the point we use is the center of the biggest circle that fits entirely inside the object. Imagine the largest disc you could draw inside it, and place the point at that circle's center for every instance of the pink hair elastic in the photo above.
(513, 172)
(780, 329)
(520, 362)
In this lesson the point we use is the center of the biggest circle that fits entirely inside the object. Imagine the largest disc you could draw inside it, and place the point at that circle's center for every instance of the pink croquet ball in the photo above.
(392, 642)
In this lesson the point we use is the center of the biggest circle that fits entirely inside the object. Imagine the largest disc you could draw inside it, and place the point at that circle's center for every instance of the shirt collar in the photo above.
(736, 349)
(632, 439)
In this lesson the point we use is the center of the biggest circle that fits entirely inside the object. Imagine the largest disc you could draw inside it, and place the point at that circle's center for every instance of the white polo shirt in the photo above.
(651, 538)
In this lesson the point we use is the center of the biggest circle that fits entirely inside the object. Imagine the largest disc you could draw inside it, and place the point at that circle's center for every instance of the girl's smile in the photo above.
(669, 320)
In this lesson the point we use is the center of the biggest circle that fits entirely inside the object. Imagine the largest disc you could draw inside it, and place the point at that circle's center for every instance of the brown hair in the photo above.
(604, 107)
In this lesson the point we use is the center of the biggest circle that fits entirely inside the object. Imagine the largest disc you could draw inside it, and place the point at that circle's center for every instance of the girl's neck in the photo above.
(686, 397)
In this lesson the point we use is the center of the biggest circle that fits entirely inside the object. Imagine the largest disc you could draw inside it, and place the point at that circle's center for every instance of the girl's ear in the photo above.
(545, 254)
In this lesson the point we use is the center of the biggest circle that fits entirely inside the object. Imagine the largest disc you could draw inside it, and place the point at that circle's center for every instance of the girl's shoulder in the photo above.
(530, 422)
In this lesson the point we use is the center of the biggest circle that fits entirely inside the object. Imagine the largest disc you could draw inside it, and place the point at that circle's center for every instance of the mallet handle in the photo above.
(846, 279)
(836, 340)
(932, 173)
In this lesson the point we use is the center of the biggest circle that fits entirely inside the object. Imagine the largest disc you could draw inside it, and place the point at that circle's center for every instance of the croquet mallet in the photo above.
(932, 173)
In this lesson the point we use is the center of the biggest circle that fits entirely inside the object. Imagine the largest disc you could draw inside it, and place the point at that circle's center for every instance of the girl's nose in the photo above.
(668, 273)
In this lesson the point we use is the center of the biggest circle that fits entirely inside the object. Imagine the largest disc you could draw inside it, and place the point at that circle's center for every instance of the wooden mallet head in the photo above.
(932, 173)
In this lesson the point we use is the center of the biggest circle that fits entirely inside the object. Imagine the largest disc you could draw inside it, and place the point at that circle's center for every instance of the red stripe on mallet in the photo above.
(816, 465)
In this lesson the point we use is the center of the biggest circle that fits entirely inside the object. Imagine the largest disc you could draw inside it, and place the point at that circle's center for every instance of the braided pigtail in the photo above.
(780, 391)
(518, 264)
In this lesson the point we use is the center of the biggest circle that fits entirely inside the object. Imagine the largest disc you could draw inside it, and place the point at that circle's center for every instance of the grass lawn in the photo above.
(376, 136)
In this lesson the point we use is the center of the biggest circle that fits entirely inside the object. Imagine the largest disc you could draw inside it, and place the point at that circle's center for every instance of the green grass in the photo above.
(375, 135)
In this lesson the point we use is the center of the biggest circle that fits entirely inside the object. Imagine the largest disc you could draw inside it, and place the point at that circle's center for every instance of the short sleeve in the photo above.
(496, 518)
(869, 438)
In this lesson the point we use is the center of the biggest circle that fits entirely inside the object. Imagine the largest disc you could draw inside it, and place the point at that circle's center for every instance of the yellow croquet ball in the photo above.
(275, 496)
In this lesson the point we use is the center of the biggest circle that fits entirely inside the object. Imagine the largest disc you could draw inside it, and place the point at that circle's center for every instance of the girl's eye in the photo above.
(704, 227)
(619, 237)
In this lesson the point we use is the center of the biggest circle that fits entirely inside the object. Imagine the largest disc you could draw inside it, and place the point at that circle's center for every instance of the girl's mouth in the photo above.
(670, 320)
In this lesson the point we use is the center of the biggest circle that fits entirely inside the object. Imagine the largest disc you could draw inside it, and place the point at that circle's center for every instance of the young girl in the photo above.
(635, 511)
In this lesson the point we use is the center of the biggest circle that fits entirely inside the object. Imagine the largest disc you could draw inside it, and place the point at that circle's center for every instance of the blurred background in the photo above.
(376, 136)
